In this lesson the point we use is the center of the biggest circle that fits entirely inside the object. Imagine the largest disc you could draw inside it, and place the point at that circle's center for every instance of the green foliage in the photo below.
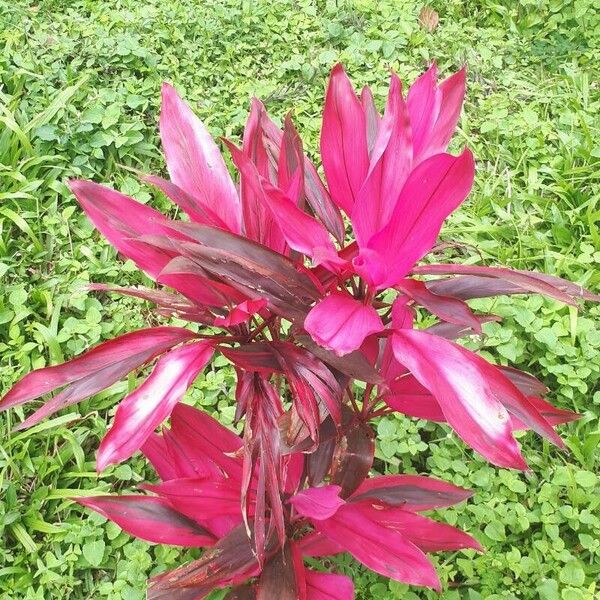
(79, 96)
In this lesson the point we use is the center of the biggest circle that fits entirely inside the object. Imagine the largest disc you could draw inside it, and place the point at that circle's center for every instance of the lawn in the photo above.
(79, 96)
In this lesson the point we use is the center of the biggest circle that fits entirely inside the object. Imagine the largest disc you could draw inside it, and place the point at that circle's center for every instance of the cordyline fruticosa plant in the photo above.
(304, 287)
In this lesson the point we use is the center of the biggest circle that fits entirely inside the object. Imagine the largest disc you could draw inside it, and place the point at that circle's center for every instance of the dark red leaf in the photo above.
(231, 561)
(354, 365)
(257, 357)
(446, 308)
(283, 576)
(353, 458)
(92, 371)
(260, 272)
(414, 492)
(450, 331)
(513, 281)
(168, 303)
(242, 592)
(316, 194)
(262, 456)
(318, 463)
(527, 384)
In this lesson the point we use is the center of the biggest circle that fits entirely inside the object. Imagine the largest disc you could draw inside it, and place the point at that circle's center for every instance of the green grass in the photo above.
(79, 96)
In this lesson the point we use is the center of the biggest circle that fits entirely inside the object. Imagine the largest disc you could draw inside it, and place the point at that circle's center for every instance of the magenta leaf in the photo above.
(434, 111)
(258, 222)
(121, 220)
(195, 209)
(316, 193)
(315, 544)
(408, 396)
(343, 141)
(340, 323)
(473, 395)
(241, 313)
(205, 439)
(328, 586)
(432, 191)
(466, 387)
(145, 408)
(381, 549)
(201, 498)
(425, 533)
(151, 519)
(318, 503)
(390, 165)
(301, 231)
(372, 117)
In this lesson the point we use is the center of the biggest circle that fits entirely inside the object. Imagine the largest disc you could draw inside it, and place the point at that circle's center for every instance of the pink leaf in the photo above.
(316, 544)
(328, 586)
(151, 519)
(318, 503)
(344, 151)
(194, 161)
(145, 408)
(466, 386)
(340, 323)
